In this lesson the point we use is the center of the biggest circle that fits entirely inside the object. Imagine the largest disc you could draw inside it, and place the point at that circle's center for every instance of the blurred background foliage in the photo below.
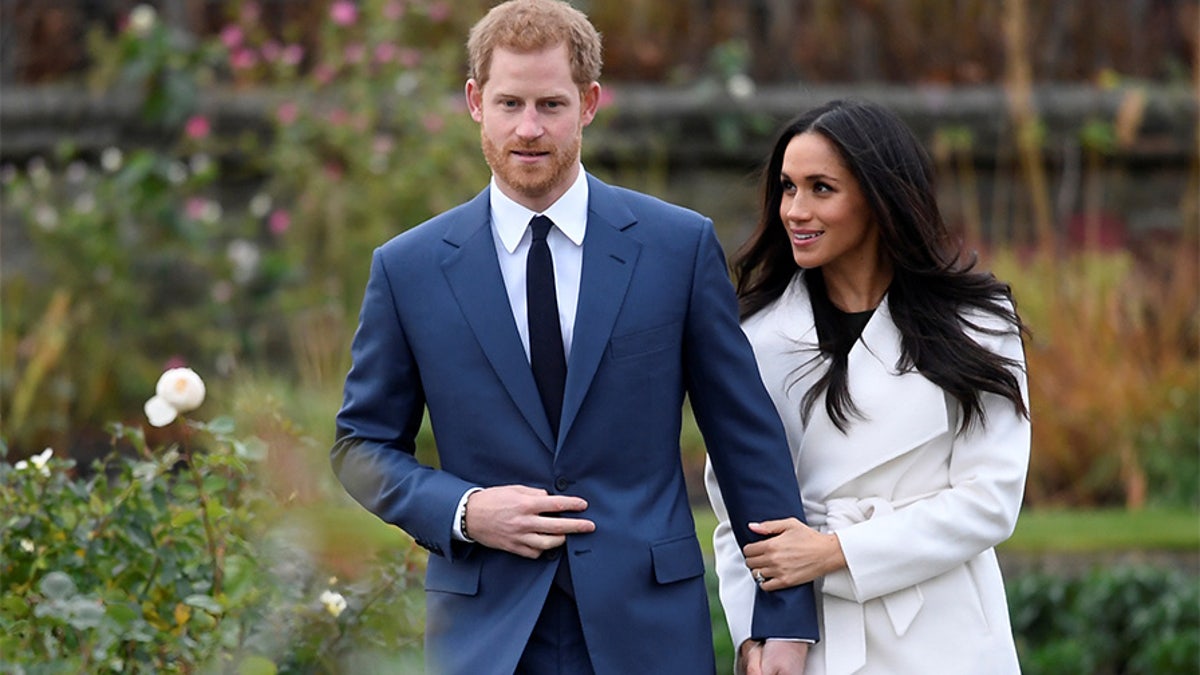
(237, 242)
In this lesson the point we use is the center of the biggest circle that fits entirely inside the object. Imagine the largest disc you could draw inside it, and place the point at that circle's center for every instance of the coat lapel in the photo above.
(473, 272)
(901, 411)
(609, 257)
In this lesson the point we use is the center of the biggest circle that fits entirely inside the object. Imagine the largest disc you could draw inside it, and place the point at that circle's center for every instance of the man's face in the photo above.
(531, 116)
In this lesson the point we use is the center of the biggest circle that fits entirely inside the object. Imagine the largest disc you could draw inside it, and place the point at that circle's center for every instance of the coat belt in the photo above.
(845, 616)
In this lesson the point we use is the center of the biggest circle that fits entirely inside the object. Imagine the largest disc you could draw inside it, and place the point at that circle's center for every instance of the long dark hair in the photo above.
(933, 285)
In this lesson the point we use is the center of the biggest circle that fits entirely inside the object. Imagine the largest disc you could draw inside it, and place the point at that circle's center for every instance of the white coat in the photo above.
(917, 508)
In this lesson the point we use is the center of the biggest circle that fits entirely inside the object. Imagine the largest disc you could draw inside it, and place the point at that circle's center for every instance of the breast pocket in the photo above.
(645, 342)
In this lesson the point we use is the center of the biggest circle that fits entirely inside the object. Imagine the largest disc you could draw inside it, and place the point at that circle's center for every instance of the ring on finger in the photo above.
(759, 578)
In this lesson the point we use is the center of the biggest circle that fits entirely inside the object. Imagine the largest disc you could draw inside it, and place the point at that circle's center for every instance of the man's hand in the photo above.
(523, 520)
(784, 657)
(792, 554)
(774, 657)
(749, 658)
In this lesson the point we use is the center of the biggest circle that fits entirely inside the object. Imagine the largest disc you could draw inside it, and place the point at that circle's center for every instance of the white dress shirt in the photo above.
(511, 232)
(512, 236)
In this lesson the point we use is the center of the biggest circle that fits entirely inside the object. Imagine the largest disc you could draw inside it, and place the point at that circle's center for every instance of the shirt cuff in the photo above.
(805, 640)
(456, 528)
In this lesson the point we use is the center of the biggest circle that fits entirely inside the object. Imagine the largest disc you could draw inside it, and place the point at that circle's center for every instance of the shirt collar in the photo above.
(569, 213)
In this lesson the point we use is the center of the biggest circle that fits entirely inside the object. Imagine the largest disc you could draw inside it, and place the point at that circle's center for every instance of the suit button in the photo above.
(560, 483)
(552, 554)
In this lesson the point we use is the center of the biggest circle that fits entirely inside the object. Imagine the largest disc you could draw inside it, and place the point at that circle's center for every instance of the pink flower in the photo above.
(251, 11)
(197, 127)
(287, 113)
(385, 53)
(607, 98)
(354, 53)
(271, 51)
(279, 221)
(393, 10)
(433, 123)
(338, 117)
(232, 36)
(293, 55)
(195, 207)
(439, 11)
(409, 57)
(323, 74)
(343, 13)
(243, 59)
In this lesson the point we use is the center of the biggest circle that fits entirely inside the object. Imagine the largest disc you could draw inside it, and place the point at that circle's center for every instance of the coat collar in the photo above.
(471, 269)
(901, 411)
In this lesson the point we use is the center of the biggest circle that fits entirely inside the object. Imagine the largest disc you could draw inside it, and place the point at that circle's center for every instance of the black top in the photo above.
(849, 327)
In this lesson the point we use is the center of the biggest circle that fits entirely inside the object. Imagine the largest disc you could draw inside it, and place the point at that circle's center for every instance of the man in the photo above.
(551, 327)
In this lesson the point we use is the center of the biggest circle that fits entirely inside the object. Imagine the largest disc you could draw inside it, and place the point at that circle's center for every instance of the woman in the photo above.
(898, 372)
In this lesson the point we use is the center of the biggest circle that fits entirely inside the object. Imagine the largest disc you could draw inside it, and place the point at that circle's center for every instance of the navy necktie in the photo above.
(545, 336)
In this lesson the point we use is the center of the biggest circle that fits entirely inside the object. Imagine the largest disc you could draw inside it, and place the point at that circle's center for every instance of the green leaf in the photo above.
(85, 613)
(221, 426)
(123, 614)
(182, 518)
(256, 665)
(204, 602)
(57, 586)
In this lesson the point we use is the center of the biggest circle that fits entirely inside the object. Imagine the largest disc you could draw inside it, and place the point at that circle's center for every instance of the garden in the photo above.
(177, 302)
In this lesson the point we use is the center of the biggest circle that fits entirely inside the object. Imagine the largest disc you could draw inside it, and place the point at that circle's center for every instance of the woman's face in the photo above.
(828, 221)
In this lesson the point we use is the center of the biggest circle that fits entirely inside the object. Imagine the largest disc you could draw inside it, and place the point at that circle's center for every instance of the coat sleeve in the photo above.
(978, 509)
(735, 585)
(383, 404)
(746, 444)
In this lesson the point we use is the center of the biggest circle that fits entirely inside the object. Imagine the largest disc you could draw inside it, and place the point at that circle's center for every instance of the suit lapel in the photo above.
(609, 257)
(473, 272)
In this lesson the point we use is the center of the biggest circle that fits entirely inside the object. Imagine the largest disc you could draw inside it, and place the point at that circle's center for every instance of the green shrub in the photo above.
(1122, 621)
(172, 560)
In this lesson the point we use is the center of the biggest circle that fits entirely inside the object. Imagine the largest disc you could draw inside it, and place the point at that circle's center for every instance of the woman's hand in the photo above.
(792, 554)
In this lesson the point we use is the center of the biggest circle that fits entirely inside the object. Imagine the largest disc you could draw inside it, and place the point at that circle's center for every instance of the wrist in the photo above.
(462, 519)
(836, 560)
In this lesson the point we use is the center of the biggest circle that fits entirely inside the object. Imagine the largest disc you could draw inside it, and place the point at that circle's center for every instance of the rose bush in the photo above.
(174, 559)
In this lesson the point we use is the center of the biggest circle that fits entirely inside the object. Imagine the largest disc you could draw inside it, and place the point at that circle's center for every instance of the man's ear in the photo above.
(474, 94)
(589, 103)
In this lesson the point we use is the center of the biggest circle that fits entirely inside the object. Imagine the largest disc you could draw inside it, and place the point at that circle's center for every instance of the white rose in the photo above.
(182, 388)
(334, 602)
(38, 462)
(142, 19)
(160, 412)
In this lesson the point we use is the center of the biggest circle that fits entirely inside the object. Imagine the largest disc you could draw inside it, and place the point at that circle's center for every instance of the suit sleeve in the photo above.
(374, 453)
(746, 444)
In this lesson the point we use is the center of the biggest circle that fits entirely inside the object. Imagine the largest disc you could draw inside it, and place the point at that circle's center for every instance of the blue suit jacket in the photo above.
(656, 321)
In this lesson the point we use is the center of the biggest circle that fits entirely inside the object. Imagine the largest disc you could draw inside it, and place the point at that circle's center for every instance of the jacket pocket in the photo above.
(644, 341)
(677, 559)
(461, 577)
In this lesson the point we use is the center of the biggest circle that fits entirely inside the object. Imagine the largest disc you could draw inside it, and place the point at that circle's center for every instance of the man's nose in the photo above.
(530, 125)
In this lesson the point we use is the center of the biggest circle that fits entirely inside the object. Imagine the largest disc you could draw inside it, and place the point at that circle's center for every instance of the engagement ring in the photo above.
(759, 578)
